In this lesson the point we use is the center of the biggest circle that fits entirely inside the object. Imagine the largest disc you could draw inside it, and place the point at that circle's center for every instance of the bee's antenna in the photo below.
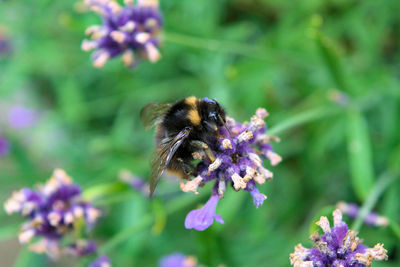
(226, 126)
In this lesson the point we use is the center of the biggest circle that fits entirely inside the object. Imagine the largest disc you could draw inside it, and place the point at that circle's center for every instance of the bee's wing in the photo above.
(152, 113)
(163, 155)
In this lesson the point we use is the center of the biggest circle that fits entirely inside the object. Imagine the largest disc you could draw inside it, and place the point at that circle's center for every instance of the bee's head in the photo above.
(213, 114)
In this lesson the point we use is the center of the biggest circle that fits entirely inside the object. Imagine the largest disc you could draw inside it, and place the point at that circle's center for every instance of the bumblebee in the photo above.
(182, 128)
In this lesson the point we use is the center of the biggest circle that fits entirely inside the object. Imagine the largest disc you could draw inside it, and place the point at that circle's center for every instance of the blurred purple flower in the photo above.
(21, 117)
(201, 219)
(102, 261)
(51, 212)
(237, 161)
(352, 210)
(337, 247)
(5, 46)
(4, 146)
(81, 248)
(131, 30)
(135, 182)
(178, 260)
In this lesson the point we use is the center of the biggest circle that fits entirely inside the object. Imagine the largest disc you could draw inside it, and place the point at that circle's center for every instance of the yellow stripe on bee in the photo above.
(194, 117)
(191, 100)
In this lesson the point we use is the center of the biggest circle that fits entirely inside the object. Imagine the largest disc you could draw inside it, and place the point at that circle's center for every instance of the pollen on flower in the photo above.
(296, 258)
(274, 158)
(245, 136)
(324, 224)
(238, 182)
(226, 143)
(191, 186)
(130, 30)
(338, 246)
(250, 174)
(370, 254)
(215, 165)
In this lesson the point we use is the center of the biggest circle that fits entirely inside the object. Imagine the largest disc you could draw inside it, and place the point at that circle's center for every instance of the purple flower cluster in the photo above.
(337, 247)
(130, 31)
(237, 161)
(178, 260)
(352, 210)
(53, 211)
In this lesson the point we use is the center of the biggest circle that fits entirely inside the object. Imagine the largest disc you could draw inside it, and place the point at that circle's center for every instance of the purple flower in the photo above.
(5, 46)
(238, 160)
(337, 247)
(201, 219)
(82, 248)
(51, 212)
(178, 260)
(352, 210)
(130, 31)
(21, 117)
(258, 198)
(102, 261)
(4, 146)
(135, 182)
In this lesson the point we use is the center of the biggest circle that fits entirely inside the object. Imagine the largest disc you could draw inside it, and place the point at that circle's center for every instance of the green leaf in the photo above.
(360, 154)
(102, 190)
(395, 228)
(332, 60)
(379, 188)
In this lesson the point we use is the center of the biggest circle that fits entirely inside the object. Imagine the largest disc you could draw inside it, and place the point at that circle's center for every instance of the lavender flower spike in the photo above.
(352, 210)
(102, 261)
(337, 247)
(238, 152)
(51, 213)
(201, 219)
(130, 31)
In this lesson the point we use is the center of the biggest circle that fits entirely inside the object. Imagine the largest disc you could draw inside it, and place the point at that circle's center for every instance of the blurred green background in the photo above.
(328, 72)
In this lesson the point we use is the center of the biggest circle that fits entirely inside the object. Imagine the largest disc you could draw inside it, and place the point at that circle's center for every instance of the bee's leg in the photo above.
(203, 146)
(188, 169)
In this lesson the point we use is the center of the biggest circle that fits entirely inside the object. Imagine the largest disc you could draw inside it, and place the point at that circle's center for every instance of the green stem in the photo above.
(102, 190)
(380, 186)
(216, 45)
(112, 199)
